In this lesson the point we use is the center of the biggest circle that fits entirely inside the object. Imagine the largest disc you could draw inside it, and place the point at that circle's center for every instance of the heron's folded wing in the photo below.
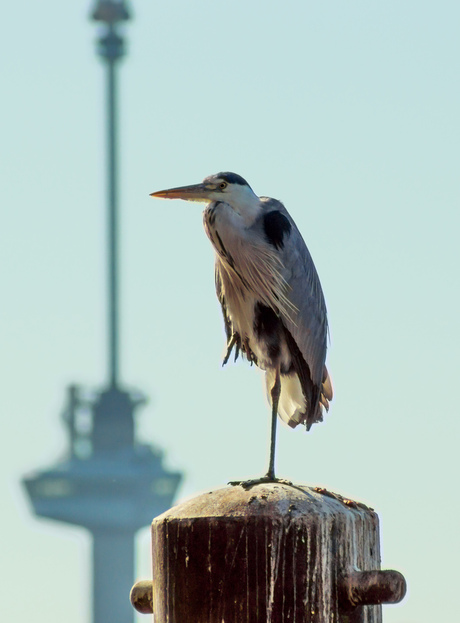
(307, 325)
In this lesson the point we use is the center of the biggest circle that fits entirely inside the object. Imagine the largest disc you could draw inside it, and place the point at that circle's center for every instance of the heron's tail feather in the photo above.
(292, 404)
(326, 387)
(327, 392)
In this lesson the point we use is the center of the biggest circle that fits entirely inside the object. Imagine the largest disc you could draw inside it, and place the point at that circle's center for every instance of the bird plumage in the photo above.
(266, 263)
(271, 297)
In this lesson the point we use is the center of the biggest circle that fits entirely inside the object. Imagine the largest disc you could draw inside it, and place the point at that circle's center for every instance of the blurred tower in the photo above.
(108, 483)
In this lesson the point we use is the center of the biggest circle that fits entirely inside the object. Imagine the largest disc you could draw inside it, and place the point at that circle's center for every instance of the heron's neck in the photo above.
(247, 206)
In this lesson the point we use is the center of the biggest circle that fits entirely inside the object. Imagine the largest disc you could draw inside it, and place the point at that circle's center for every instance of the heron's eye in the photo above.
(223, 185)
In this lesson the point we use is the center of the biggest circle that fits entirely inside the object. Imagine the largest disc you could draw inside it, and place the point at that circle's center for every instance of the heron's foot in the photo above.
(247, 484)
(250, 356)
(235, 341)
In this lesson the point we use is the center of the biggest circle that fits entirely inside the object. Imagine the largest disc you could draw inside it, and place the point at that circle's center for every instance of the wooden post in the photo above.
(271, 554)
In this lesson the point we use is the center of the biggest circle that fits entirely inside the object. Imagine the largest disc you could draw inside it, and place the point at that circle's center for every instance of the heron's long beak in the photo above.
(197, 192)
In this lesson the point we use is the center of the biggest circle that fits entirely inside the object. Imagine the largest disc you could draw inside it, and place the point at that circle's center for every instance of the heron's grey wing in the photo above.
(306, 326)
(307, 330)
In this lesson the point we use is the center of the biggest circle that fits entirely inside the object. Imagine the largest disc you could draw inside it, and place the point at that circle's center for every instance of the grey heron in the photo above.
(271, 297)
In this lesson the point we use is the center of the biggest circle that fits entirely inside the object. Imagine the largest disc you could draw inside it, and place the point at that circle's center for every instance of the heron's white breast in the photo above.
(247, 277)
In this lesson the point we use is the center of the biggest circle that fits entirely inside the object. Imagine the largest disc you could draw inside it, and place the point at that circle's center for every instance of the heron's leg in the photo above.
(275, 394)
(270, 475)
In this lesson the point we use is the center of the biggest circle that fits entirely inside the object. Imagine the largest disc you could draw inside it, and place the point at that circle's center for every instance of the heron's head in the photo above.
(227, 187)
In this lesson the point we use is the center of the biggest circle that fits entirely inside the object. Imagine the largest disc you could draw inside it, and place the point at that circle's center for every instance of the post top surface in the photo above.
(274, 499)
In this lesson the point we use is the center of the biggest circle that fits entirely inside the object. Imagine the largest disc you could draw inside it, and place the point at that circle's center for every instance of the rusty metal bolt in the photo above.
(141, 596)
(371, 588)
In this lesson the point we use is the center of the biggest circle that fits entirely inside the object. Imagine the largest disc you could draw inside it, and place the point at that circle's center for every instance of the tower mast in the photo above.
(109, 483)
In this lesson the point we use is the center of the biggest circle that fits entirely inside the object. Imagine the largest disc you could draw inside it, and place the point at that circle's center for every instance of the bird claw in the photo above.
(234, 341)
(248, 352)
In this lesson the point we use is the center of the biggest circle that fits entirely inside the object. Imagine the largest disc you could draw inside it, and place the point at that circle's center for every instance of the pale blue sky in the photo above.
(346, 111)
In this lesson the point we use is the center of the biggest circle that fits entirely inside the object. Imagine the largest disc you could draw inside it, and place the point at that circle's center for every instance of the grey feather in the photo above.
(286, 280)
(307, 326)
(271, 297)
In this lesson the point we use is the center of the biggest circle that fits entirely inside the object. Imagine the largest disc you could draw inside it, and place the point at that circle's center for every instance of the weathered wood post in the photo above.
(272, 554)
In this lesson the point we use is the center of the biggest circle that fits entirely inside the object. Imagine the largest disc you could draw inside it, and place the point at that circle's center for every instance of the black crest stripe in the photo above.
(232, 178)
